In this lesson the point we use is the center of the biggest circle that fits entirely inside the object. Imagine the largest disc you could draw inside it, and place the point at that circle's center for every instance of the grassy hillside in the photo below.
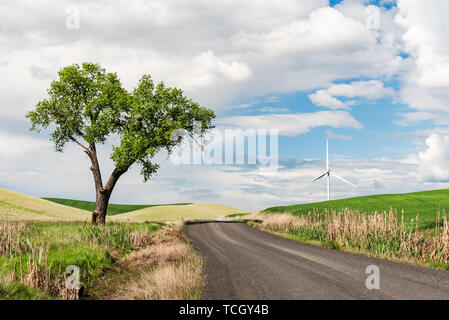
(178, 212)
(17, 206)
(425, 203)
(113, 209)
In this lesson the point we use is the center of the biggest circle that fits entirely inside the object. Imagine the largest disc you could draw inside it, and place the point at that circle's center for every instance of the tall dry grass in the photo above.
(28, 251)
(167, 281)
(11, 238)
(385, 233)
(169, 269)
(37, 274)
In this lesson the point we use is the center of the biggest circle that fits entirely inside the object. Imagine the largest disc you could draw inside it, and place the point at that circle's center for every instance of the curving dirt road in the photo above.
(245, 263)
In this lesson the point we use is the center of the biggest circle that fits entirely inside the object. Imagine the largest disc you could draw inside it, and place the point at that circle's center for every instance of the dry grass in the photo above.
(37, 274)
(16, 206)
(172, 213)
(169, 269)
(11, 236)
(283, 222)
(168, 281)
(35, 255)
(382, 234)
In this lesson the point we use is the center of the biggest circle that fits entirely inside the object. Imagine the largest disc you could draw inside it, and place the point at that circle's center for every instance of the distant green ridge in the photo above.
(424, 203)
(113, 209)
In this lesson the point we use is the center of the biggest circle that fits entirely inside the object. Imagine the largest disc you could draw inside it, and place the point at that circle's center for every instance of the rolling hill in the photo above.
(178, 212)
(113, 209)
(424, 203)
(17, 206)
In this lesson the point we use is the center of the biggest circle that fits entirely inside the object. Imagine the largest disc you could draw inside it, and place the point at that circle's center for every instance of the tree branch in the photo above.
(86, 149)
(115, 175)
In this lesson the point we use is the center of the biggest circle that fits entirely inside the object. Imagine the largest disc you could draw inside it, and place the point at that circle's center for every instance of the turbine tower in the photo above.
(328, 173)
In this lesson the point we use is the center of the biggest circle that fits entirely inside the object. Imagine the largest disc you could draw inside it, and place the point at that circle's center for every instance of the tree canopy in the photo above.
(87, 105)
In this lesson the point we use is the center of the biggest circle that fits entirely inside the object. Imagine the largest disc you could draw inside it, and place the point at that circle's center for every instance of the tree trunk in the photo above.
(101, 208)
(103, 194)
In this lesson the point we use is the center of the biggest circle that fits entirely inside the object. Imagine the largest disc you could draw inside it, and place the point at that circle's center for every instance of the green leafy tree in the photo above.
(87, 105)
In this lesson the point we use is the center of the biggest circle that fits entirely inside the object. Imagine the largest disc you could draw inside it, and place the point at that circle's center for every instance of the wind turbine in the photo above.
(328, 173)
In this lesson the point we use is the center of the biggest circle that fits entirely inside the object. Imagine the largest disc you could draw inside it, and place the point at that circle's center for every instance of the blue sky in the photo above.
(371, 75)
(378, 137)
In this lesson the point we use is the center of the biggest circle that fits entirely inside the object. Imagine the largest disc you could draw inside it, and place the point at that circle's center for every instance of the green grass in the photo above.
(19, 291)
(93, 249)
(113, 209)
(425, 203)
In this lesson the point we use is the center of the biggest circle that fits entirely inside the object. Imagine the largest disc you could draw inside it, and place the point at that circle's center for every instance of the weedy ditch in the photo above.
(169, 269)
(34, 256)
(380, 234)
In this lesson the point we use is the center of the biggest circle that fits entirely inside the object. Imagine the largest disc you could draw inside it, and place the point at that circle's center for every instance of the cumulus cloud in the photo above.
(310, 35)
(241, 186)
(322, 98)
(293, 124)
(370, 90)
(219, 56)
(215, 53)
(434, 160)
(427, 39)
(208, 70)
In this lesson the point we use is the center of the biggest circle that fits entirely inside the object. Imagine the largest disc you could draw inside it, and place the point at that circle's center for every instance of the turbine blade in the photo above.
(344, 180)
(305, 186)
(320, 177)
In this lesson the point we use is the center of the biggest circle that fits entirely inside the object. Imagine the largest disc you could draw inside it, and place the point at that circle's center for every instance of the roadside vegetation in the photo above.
(169, 269)
(385, 235)
(425, 204)
(113, 209)
(34, 257)
(136, 255)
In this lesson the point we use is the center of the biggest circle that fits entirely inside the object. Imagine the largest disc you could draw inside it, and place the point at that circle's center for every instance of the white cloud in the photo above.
(425, 85)
(68, 174)
(427, 39)
(12, 145)
(412, 118)
(425, 99)
(293, 124)
(220, 55)
(273, 110)
(208, 70)
(216, 53)
(371, 90)
(326, 29)
(322, 98)
(332, 135)
(434, 160)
